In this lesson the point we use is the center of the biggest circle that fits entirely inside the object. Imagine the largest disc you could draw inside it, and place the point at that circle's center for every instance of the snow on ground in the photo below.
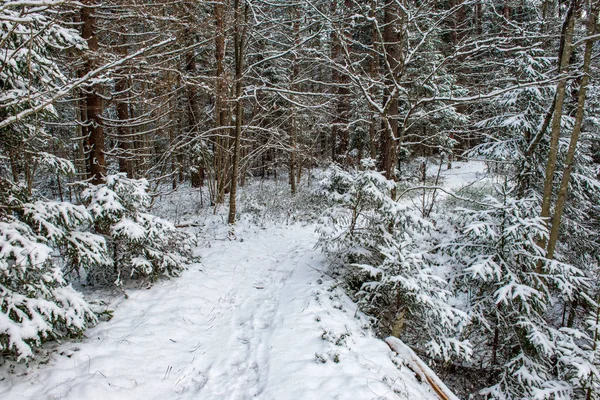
(461, 174)
(256, 319)
(467, 180)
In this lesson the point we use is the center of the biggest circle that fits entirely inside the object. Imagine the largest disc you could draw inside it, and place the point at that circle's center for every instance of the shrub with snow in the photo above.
(140, 243)
(42, 241)
(383, 248)
(36, 302)
(509, 289)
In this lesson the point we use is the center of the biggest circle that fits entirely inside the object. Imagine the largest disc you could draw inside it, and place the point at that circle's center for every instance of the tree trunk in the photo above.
(557, 117)
(343, 98)
(122, 108)
(220, 143)
(197, 174)
(335, 79)
(392, 39)
(374, 71)
(564, 184)
(239, 38)
(14, 165)
(93, 101)
(294, 88)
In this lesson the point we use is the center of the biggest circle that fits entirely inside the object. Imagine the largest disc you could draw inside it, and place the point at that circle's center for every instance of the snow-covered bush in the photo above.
(141, 244)
(41, 242)
(383, 248)
(36, 302)
(62, 224)
(264, 201)
(509, 288)
(590, 384)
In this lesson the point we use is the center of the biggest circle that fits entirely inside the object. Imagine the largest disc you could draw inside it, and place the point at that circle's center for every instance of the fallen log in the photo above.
(419, 367)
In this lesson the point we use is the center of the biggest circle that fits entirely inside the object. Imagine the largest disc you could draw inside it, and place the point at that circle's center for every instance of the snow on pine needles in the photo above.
(258, 317)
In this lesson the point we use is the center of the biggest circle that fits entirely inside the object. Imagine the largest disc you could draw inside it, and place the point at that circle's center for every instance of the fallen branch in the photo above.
(188, 225)
(416, 364)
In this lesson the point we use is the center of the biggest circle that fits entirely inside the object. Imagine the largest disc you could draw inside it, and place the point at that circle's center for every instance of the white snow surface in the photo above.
(256, 319)
(461, 174)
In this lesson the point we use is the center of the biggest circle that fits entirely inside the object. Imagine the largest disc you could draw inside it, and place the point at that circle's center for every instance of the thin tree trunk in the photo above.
(373, 70)
(392, 41)
(220, 142)
(479, 18)
(292, 175)
(557, 117)
(122, 108)
(293, 87)
(532, 146)
(299, 165)
(14, 165)
(197, 176)
(335, 78)
(239, 37)
(343, 105)
(564, 184)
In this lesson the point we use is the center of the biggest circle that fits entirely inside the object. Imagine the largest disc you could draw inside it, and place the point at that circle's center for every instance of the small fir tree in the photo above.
(383, 248)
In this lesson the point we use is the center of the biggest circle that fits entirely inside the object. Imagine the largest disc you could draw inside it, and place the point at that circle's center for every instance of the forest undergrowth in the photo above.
(452, 267)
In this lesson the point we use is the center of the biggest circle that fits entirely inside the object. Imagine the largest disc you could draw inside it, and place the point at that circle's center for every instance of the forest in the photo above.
(439, 160)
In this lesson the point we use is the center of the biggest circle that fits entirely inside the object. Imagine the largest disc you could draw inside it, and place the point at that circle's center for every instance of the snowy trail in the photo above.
(255, 320)
(239, 370)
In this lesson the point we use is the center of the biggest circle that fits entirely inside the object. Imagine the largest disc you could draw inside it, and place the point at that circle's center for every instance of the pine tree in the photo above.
(383, 249)
(36, 301)
(141, 244)
(509, 300)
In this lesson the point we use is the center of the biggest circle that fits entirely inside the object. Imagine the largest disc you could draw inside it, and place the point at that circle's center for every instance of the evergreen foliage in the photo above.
(383, 247)
(509, 289)
(99, 98)
(36, 301)
(141, 244)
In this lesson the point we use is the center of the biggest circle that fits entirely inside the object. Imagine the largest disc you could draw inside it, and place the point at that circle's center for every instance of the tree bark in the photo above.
(564, 184)
(392, 39)
(335, 79)
(122, 108)
(93, 101)
(239, 43)
(197, 175)
(294, 88)
(373, 70)
(557, 117)
(220, 142)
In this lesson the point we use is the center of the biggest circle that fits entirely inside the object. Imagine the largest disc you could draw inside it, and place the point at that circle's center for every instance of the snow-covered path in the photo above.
(257, 319)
